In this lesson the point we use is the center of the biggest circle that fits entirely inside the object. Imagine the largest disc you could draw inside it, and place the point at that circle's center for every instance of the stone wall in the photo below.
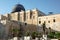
(52, 21)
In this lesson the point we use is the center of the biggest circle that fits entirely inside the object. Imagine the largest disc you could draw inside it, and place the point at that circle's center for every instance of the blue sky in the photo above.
(43, 5)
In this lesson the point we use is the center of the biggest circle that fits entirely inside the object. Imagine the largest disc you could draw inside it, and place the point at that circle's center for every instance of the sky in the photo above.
(45, 6)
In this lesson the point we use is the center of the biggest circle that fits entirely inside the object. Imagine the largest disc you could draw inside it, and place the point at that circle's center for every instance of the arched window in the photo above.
(39, 22)
(25, 23)
(53, 20)
(48, 21)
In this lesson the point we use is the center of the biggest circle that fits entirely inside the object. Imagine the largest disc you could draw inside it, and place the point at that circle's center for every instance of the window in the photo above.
(39, 22)
(48, 21)
(25, 23)
(49, 27)
(53, 20)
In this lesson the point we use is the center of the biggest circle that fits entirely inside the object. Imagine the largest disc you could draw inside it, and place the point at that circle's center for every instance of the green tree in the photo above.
(57, 34)
(34, 34)
(27, 33)
(15, 32)
(54, 35)
(51, 34)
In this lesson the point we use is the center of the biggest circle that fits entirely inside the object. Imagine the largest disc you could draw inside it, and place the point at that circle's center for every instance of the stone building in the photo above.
(29, 20)
(52, 21)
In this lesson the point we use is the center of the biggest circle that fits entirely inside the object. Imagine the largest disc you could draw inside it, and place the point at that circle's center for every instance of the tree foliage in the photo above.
(27, 33)
(54, 35)
(35, 34)
(15, 32)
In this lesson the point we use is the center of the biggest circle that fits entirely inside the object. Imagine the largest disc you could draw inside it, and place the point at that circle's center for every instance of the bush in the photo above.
(57, 35)
(36, 34)
(54, 35)
(51, 35)
(27, 34)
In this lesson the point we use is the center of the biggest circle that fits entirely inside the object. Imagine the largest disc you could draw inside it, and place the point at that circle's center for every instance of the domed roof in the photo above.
(18, 8)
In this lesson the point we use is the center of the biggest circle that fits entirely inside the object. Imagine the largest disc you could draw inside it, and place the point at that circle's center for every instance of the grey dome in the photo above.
(18, 8)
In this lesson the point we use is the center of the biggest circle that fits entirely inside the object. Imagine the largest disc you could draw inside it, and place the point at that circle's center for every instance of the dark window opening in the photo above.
(49, 27)
(25, 23)
(39, 22)
(53, 20)
(48, 21)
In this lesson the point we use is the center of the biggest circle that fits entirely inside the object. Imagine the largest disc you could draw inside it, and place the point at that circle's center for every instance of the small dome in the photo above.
(18, 8)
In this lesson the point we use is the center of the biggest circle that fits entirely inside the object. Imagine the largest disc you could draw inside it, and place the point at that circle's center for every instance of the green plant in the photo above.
(27, 34)
(54, 35)
(51, 35)
(57, 35)
(15, 32)
(34, 34)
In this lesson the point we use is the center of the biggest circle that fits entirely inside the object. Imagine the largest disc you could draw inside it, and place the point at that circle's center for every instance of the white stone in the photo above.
(54, 39)
(3, 21)
(36, 38)
(27, 38)
(15, 38)
(45, 37)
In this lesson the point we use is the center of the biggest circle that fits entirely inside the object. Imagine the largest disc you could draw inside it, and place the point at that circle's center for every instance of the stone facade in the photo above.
(52, 21)
(30, 20)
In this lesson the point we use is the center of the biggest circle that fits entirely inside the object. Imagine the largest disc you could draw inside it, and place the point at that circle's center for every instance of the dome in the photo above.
(18, 8)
